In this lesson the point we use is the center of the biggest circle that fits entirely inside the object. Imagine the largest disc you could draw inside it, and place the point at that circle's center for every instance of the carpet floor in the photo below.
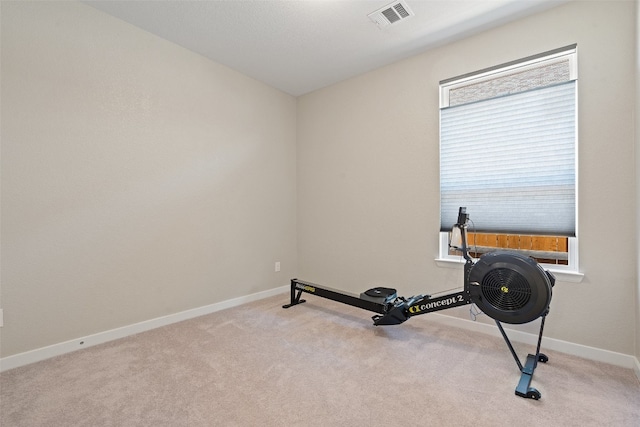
(318, 364)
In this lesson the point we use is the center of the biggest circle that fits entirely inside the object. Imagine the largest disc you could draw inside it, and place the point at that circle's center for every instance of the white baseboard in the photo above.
(591, 353)
(43, 353)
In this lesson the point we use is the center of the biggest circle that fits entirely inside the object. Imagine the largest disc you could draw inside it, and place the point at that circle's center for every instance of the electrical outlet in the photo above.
(277, 266)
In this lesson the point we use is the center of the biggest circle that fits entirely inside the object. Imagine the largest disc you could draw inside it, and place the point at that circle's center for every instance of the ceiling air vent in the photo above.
(391, 14)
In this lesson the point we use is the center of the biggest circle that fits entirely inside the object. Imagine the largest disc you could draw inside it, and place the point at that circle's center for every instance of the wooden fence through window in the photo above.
(545, 249)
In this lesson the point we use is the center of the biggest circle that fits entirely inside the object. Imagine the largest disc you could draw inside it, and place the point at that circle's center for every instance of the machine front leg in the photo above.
(295, 295)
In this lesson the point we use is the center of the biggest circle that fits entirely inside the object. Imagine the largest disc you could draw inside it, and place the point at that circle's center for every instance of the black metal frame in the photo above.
(299, 286)
(399, 309)
(524, 389)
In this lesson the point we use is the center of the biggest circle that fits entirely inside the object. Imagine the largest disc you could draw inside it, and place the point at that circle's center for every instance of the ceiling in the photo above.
(300, 46)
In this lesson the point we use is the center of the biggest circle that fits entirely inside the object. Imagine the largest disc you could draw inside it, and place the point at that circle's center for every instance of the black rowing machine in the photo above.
(507, 286)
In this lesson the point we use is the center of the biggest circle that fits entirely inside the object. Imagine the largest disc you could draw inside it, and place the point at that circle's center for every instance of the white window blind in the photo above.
(508, 147)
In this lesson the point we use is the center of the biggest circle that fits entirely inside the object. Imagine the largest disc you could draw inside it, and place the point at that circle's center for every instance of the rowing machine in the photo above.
(506, 286)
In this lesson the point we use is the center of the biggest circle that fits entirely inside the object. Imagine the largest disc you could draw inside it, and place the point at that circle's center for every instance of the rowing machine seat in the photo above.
(379, 295)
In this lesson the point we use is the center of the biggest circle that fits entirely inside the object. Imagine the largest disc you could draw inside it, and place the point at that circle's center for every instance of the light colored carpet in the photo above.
(318, 364)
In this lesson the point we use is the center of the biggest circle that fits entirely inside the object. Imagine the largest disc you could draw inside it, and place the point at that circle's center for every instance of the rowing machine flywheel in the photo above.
(510, 287)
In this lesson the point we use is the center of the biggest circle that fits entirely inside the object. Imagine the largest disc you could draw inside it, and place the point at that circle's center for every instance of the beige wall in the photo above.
(637, 178)
(138, 179)
(368, 191)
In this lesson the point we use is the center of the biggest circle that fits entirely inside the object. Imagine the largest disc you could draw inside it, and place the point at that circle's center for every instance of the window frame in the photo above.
(568, 272)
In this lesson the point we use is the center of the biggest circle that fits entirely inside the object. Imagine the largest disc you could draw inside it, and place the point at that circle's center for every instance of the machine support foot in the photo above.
(295, 296)
(524, 388)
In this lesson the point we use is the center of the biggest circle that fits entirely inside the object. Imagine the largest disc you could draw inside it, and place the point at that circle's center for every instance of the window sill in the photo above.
(560, 274)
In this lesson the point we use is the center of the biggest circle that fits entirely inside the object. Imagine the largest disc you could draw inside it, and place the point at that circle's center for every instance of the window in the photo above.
(508, 138)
